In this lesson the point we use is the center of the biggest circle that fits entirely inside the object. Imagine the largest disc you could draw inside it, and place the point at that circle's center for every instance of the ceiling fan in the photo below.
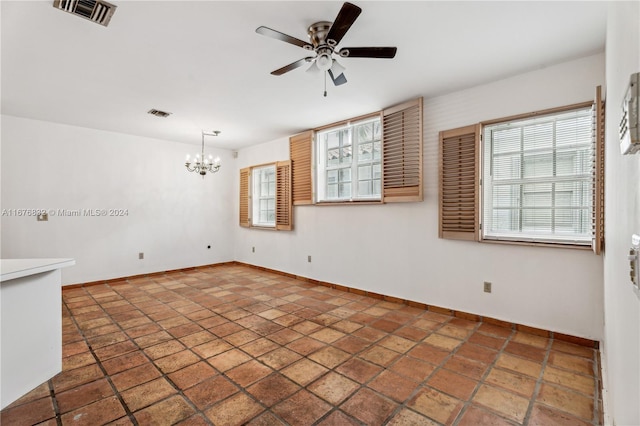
(324, 37)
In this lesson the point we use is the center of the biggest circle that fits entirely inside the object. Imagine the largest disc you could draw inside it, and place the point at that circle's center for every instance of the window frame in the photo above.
(257, 197)
(322, 168)
(460, 172)
(401, 157)
(282, 197)
(485, 154)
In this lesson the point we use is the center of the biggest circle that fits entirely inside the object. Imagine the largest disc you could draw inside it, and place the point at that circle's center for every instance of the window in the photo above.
(265, 196)
(349, 162)
(373, 158)
(537, 178)
(541, 175)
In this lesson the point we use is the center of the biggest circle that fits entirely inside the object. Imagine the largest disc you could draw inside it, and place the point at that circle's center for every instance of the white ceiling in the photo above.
(203, 61)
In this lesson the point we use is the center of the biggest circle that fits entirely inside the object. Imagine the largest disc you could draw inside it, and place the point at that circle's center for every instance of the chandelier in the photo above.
(200, 164)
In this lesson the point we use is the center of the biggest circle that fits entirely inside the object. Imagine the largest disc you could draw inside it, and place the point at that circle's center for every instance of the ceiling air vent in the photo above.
(97, 11)
(158, 113)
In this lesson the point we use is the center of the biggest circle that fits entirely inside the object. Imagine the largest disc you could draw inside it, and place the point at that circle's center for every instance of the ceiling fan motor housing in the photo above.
(318, 33)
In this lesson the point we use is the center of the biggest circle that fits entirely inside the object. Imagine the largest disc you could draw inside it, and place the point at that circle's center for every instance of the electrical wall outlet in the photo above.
(309, 259)
(140, 255)
(253, 249)
(487, 287)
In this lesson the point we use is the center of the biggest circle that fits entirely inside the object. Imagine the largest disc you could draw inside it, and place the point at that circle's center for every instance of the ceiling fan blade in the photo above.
(291, 66)
(339, 80)
(283, 37)
(346, 17)
(368, 52)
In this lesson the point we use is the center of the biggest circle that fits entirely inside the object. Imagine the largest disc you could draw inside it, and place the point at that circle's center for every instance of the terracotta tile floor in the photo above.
(232, 345)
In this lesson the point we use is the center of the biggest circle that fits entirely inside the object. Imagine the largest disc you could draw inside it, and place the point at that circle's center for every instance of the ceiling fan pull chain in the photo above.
(325, 84)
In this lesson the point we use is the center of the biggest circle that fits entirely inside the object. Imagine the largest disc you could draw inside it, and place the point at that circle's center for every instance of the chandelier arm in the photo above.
(202, 165)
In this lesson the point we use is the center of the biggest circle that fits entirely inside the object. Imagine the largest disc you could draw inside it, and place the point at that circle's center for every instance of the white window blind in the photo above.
(538, 178)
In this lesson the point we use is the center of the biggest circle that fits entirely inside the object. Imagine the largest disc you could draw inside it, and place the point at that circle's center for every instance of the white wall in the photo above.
(621, 352)
(172, 214)
(394, 249)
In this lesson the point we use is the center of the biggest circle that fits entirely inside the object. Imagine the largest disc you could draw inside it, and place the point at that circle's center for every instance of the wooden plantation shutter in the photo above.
(402, 152)
(284, 206)
(459, 183)
(300, 149)
(245, 220)
(598, 174)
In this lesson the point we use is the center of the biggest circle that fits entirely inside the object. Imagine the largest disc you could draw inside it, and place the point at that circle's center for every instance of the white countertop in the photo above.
(11, 269)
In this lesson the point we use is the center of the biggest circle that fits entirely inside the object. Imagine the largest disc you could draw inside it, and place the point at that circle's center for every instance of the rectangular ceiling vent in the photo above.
(97, 11)
(158, 113)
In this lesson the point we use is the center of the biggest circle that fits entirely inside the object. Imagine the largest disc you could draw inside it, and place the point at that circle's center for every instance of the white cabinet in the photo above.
(30, 324)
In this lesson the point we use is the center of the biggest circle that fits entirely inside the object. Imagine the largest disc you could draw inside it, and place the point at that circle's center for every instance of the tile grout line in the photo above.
(482, 379)
(56, 408)
(280, 346)
(142, 351)
(242, 389)
(538, 386)
(164, 303)
(562, 386)
(361, 386)
(402, 405)
(364, 385)
(177, 292)
(265, 336)
(335, 408)
(311, 283)
(543, 366)
(441, 365)
(129, 338)
(98, 362)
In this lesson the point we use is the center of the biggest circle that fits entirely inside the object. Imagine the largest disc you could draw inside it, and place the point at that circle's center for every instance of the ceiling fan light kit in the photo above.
(324, 38)
(323, 61)
(336, 68)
